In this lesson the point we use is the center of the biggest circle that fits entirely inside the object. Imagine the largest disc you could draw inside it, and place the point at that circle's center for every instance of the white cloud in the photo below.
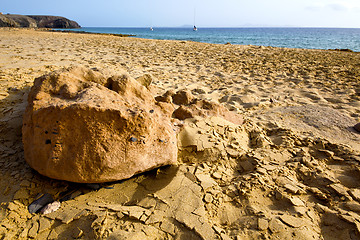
(337, 7)
(323, 5)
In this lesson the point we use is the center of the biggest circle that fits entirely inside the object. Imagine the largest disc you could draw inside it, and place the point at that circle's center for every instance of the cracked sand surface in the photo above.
(297, 177)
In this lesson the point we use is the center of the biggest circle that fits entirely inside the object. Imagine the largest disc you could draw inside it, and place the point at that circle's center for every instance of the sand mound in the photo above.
(319, 121)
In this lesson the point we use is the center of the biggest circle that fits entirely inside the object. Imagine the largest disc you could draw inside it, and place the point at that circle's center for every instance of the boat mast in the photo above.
(195, 28)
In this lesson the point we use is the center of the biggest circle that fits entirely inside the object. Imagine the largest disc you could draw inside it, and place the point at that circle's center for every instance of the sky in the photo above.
(204, 13)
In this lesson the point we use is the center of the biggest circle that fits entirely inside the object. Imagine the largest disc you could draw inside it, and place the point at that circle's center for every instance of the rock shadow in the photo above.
(13, 167)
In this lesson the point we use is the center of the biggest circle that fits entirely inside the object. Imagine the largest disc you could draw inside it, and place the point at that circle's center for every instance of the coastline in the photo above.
(302, 38)
(302, 168)
(85, 32)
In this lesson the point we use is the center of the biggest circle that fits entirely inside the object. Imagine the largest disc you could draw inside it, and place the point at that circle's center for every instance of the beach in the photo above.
(299, 179)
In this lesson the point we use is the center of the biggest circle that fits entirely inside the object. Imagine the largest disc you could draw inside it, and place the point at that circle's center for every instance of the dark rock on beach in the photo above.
(357, 127)
(36, 21)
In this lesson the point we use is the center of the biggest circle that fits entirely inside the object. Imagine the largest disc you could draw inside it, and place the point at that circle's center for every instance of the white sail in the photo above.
(195, 28)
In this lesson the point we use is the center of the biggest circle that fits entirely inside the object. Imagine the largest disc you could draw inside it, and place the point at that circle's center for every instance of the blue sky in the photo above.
(209, 13)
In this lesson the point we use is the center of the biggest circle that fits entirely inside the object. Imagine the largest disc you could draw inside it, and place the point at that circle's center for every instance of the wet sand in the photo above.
(297, 178)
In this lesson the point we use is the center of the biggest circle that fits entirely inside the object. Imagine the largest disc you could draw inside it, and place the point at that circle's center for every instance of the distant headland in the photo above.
(36, 21)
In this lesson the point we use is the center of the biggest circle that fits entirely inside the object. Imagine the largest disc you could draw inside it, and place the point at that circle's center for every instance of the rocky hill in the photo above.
(36, 21)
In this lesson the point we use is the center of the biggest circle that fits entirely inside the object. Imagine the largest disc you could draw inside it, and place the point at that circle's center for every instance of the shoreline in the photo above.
(322, 38)
(85, 32)
(227, 43)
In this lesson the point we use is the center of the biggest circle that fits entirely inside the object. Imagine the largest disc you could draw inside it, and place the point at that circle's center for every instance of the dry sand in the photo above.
(298, 178)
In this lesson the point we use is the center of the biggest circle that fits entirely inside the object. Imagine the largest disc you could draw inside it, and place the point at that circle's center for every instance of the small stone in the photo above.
(291, 221)
(40, 203)
(51, 207)
(357, 127)
(208, 198)
(167, 97)
(145, 80)
(133, 139)
(262, 224)
(183, 97)
(233, 152)
(216, 175)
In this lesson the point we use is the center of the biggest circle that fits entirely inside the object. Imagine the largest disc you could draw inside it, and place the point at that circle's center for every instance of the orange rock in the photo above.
(82, 125)
(204, 108)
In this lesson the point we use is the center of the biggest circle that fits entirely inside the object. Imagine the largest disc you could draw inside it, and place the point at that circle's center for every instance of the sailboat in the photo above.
(194, 28)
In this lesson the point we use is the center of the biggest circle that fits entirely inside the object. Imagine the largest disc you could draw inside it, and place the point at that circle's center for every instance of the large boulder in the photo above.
(86, 126)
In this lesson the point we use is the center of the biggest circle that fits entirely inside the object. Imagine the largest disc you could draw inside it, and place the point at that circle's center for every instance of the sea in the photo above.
(308, 38)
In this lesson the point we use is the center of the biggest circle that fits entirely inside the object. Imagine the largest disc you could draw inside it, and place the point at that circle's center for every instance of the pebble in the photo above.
(357, 127)
(40, 203)
(208, 198)
(51, 207)
(133, 139)
(216, 175)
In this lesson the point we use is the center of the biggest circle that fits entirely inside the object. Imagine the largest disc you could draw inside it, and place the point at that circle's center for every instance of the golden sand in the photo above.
(300, 179)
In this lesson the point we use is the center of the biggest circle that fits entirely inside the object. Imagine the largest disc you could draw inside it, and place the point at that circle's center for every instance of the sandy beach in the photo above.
(299, 177)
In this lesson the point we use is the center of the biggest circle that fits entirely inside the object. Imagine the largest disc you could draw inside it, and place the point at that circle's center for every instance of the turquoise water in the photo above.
(311, 38)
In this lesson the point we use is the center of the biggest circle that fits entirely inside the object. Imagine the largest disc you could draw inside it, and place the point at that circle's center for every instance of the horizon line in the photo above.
(199, 26)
